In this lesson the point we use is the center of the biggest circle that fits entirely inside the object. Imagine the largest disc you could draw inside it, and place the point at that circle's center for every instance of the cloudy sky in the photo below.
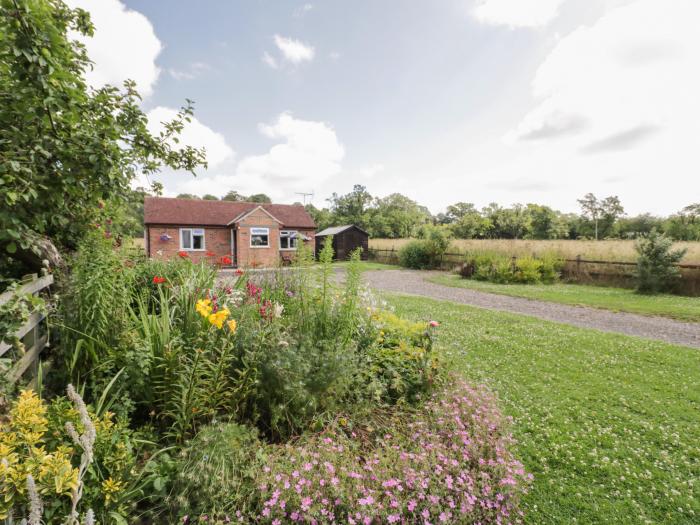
(441, 100)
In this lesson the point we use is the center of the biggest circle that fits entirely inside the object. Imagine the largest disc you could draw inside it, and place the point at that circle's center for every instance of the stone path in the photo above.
(658, 328)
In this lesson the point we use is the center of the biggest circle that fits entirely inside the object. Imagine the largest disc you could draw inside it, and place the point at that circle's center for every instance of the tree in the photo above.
(466, 222)
(322, 217)
(352, 208)
(396, 216)
(233, 196)
(210, 197)
(546, 223)
(187, 196)
(602, 213)
(65, 148)
(684, 225)
(656, 263)
(259, 197)
(591, 210)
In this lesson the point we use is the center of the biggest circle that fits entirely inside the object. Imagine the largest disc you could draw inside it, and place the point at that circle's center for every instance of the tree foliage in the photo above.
(64, 147)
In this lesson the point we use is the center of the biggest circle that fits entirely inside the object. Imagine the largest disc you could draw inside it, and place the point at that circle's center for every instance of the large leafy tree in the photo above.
(64, 147)
(353, 207)
(397, 216)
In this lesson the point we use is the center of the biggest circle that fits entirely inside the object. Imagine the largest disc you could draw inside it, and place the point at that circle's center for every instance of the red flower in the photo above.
(183, 254)
(210, 254)
(239, 272)
(159, 280)
(226, 261)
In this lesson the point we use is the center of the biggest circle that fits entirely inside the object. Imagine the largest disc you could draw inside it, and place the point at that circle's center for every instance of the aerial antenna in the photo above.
(304, 195)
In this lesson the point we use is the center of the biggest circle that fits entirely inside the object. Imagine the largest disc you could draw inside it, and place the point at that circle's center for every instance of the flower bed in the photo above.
(233, 397)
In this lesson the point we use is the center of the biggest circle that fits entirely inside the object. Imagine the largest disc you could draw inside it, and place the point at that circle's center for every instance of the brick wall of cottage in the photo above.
(216, 240)
(254, 257)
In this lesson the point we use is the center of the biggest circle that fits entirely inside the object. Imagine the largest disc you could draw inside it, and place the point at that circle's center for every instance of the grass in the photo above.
(608, 424)
(611, 250)
(367, 265)
(616, 299)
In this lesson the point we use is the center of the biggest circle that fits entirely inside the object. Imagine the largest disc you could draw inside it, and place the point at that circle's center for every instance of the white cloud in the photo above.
(308, 154)
(124, 46)
(194, 134)
(623, 81)
(302, 10)
(369, 172)
(517, 13)
(269, 60)
(192, 71)
(293, 50)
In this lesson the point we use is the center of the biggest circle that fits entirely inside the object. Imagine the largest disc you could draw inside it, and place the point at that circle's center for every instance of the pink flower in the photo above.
(434, 324)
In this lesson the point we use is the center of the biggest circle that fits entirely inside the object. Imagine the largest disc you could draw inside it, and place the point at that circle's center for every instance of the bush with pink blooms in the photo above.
(449, 463)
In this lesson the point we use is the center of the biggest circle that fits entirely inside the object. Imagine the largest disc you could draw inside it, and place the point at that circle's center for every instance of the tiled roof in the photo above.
(195, 212)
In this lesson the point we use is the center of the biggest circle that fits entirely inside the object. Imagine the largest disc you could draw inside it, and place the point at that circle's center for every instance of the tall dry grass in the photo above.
(611, 250)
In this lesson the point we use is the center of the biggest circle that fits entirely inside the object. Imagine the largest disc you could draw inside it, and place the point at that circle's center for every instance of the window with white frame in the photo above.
(288, 239)
(191, 239)
(260, 237)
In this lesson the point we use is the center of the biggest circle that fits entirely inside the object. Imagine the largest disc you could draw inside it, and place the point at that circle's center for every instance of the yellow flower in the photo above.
(232, 326)
(111, 487)
(203, 307)
(218, 318)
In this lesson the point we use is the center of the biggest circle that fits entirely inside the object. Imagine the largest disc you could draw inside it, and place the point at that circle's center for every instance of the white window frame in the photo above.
(192, 235)
(288, 235)
(259, 232)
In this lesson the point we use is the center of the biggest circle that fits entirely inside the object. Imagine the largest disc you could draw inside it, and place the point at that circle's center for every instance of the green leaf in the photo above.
(11, 247)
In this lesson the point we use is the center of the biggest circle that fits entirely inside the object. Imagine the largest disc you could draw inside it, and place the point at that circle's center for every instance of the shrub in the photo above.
(75, 458)
(501, 269)
(401, 472)
(528, 270)
(217, 470)
(400, 360)
(656, 270)
(426, 252)
(415, 255)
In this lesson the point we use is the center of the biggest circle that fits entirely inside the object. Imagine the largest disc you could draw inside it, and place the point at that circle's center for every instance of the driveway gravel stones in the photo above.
(657, 328)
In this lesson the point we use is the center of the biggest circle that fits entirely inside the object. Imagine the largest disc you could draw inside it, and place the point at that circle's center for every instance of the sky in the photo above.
(508, 101)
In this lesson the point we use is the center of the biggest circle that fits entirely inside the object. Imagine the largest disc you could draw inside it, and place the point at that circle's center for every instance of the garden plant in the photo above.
(267, 397)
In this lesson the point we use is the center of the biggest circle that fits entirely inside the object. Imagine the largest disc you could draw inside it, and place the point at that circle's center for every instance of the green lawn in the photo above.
(608, 424)
(368, 265)
(618, 299)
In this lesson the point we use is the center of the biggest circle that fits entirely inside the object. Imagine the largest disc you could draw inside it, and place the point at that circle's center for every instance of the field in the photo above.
(613, 250)
(608, 424)
(609, 298)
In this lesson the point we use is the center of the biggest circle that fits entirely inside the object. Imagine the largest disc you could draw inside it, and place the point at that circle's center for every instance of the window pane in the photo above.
(186, 239)
(259, 240)
(198, 242)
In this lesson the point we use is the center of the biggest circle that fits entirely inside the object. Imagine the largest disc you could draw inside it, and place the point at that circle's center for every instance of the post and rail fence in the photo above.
(618, 273)
(33, 333)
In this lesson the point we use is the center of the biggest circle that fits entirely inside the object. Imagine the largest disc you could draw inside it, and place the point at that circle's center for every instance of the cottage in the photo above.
(236, 234)
(346, 239)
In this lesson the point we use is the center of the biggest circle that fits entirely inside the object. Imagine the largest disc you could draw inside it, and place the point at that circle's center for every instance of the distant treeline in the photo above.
(397, 216)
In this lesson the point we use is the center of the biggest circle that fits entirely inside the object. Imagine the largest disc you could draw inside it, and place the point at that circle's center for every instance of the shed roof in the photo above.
(162, 210)
(335, 230)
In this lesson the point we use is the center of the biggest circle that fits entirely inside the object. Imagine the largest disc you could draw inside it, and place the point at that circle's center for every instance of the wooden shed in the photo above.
(346, 239)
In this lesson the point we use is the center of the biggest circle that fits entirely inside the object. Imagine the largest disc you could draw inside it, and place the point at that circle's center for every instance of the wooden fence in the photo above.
(610, 273)
(34, 333)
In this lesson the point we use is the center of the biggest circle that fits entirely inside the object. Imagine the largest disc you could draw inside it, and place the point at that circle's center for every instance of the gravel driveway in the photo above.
(659, 328)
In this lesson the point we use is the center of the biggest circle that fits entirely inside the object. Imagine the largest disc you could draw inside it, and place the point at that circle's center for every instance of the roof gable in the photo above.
(247, 213)
(162, 210)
